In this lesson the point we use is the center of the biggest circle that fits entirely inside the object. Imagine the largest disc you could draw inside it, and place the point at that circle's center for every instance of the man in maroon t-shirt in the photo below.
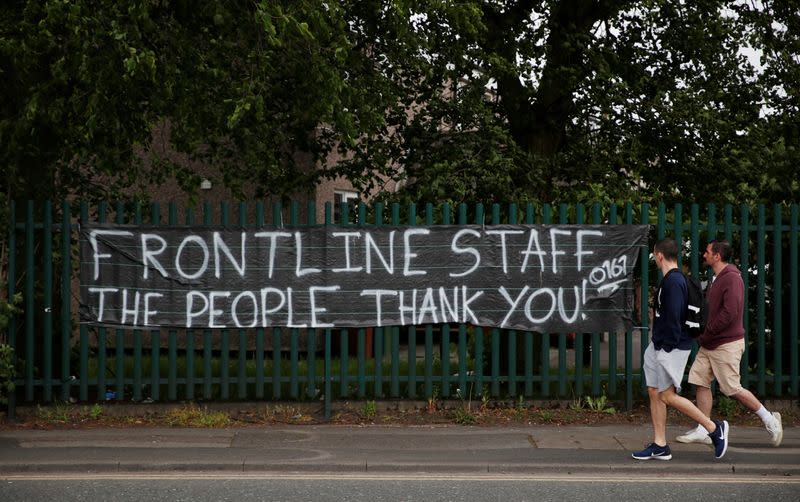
(722, 345)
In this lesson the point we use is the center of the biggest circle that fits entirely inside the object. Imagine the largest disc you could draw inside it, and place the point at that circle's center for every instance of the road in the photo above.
(203, 487)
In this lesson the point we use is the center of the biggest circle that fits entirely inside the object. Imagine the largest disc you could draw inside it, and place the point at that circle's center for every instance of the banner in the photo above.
(546, 278)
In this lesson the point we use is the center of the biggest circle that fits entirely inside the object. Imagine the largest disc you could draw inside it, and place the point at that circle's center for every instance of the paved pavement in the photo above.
(536, 450)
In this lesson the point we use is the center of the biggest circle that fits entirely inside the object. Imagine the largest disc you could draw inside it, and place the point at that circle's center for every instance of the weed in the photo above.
(486, 399)
(58, 412)
(193, 416)
(432, 400)
(599, 403)
(546, 415)
(95, 412)
(369, 410)
(463, 416)
(7, 372)
(727, 407)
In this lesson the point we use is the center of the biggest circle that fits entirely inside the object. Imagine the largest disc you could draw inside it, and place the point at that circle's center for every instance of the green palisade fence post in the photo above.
(644, 263)
(777, 300)
(260, 221)
(512, 335)
(208, 214)
(428, 390)
(394, 384)
(225, 348)
(344, 363)
(678, 235)
(66, 297)
(479, 335)
(412, 330)
(744, 264)
(446, 361)
(712, 221)
(189, 335)
(276, 362)
(794, 369)
(327, 384)
(277, 222)
(119, 342)
(378, 357)
(379, 333)
(728, 224)
(544, 338)
(172, 334)
(612, 337)
(694, 259)
(579, 337)
(394, 345)
(497, 376)
(30, 364)
(361, 356)
(628, 335)
(11, 331)
(761, 299)
(137, 334)
(294, 333)
(596, 336)
(462, 335)
(294, 363)
(241, 374)
(462, 329)
(445, 342)
(562, 337)
(529, 338)
(155, 335)
(83, 392)
(47, 302)
(694, 235)
(101, 331)
(311, 334)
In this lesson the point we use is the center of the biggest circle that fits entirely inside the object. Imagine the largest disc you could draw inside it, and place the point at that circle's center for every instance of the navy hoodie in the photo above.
(669, 313)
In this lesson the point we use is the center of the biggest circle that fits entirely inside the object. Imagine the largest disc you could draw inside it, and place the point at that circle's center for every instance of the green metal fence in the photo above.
(60, 359)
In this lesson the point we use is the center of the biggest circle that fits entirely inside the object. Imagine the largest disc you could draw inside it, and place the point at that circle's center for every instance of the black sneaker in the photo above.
(653, 451)
(720, 438)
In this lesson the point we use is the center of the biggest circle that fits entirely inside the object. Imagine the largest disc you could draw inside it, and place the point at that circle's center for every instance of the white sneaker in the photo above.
(776, 429)
(696, 435)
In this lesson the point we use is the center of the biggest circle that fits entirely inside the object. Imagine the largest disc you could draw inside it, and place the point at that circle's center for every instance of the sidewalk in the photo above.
(588, 450)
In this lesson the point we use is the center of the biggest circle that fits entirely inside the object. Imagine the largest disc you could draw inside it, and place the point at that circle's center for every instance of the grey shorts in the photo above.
(663, 369)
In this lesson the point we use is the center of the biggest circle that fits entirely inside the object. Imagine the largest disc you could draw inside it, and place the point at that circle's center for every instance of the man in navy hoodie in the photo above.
(722, 345)
(666, 356)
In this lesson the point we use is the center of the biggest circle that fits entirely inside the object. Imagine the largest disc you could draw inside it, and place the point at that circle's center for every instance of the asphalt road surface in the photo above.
(378, 488)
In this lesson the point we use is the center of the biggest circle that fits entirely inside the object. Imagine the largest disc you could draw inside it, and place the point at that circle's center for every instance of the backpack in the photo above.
(696, 309)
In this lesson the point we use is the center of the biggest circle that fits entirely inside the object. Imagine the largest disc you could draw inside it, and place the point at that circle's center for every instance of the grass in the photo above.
(194, 416)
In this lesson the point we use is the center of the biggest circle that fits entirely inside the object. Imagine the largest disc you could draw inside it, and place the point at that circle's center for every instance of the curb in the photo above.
(662, 469)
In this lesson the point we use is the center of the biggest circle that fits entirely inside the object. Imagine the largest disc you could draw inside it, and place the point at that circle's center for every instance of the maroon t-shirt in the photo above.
(725, 299)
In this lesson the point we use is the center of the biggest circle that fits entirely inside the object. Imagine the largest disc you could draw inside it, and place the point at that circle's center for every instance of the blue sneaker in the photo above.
(720, 438)
(653, 451)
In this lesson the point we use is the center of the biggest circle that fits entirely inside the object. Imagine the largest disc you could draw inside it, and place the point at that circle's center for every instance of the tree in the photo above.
(473, 100)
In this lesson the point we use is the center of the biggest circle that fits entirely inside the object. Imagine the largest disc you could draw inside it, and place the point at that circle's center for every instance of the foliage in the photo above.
(7, 357)
(537, 100)
(194, 416)
(599, 403)
(369, 410)
(7, 372)
(727, 407)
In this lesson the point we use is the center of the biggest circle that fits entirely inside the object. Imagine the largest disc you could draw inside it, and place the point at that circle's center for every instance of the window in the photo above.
(345, 197)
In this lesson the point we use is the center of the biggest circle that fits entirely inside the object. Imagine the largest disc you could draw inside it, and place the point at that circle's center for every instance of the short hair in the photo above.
(723, 248)
(668, 247)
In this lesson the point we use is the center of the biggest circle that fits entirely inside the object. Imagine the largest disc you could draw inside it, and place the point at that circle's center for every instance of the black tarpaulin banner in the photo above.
(546, 278)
